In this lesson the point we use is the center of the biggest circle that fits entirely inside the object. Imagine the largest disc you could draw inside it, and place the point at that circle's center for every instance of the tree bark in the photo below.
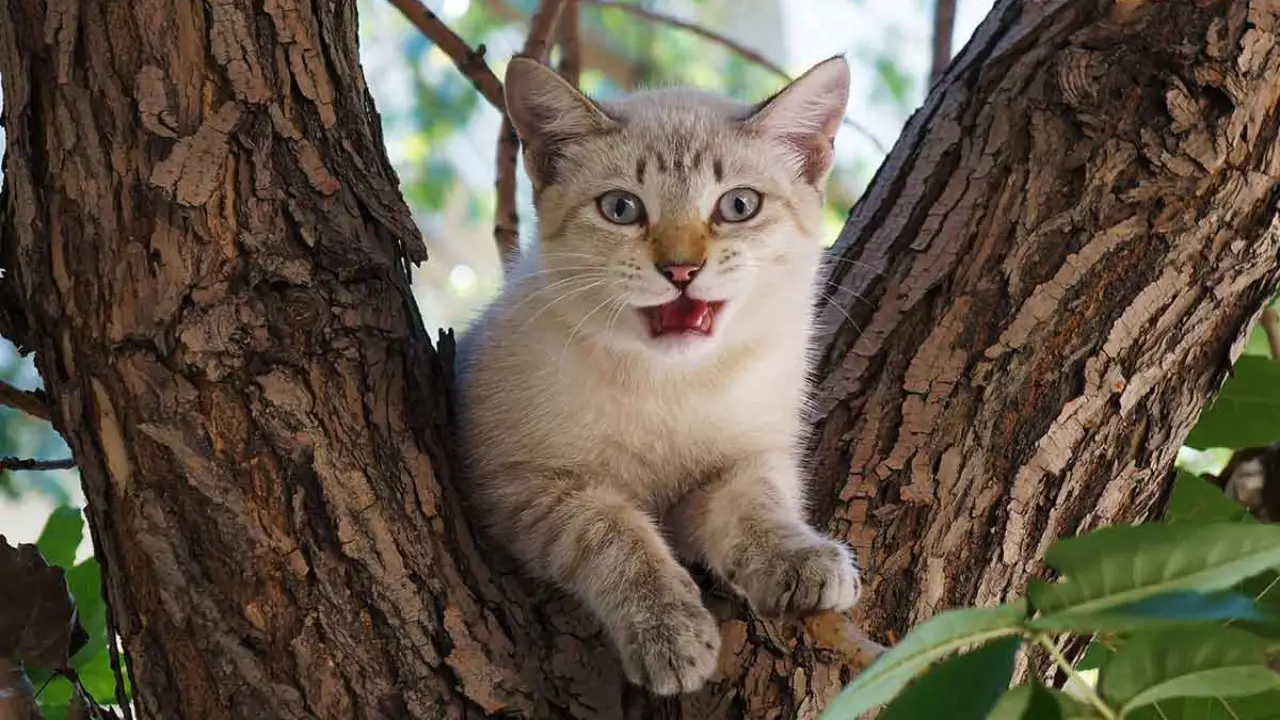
(206, 249)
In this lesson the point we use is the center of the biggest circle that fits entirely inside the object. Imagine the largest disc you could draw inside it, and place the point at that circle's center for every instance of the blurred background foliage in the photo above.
(441, 138)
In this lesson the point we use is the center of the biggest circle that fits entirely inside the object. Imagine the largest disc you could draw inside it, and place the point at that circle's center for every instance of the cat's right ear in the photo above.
(547, 112)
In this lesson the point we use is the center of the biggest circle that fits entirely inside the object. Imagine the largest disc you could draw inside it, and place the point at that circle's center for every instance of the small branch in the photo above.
(506, 223)
(596, 54)
(838, 633)
(944, 27)
(12, 463)
(728, 43)
(468, 60)
(1271, 327)
(569, 37)
(28, 402)
(537, 44)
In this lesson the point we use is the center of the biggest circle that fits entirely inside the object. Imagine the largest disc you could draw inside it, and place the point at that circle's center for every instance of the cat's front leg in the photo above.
(598, 545)
(747, 525)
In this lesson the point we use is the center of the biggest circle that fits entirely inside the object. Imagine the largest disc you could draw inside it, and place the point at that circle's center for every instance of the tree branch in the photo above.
(12, 463)
(944, 26)
(570, 41)
(506, 224)
(728, 43)
(468, 60)
(596, 54)
(28, 402)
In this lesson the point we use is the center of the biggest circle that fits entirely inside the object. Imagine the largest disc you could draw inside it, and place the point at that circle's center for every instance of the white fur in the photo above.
(562, 378)
(584, 433)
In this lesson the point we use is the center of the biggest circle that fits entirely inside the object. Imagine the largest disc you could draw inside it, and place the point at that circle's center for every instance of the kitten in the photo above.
(634, 395)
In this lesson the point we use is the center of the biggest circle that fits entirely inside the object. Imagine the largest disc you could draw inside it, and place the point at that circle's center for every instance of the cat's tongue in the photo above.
(684, 314)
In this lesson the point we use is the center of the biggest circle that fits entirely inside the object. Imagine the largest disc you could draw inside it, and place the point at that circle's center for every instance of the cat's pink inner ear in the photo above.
(806, 114)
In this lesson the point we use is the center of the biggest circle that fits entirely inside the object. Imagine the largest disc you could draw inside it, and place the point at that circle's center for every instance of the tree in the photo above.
(206, 250)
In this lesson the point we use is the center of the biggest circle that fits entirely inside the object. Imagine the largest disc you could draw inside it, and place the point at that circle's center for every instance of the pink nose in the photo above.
(679, 275)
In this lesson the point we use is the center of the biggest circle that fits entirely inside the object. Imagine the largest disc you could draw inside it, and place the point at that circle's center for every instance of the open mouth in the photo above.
(682, 316)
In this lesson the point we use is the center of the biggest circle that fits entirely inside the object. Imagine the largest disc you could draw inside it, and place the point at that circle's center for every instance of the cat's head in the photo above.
(672, 218)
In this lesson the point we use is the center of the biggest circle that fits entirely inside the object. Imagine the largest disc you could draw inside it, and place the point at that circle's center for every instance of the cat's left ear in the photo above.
(805, 115)
(547, 114)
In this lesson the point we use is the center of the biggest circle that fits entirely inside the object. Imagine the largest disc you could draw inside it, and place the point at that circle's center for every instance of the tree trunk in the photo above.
(207, 251)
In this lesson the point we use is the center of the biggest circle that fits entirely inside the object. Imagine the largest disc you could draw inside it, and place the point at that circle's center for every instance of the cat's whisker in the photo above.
(544, 308)
(852, 263)
(855, 295)
(613, 319)
(560, 254)
(831, 301)
(555, 285)
(572, 268)
(573, 333)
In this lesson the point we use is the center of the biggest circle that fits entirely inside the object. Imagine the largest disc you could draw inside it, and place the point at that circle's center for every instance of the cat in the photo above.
(634, 396)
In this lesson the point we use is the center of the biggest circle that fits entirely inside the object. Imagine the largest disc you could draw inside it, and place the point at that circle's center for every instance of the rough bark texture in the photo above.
(209, 256)
(1062, 252)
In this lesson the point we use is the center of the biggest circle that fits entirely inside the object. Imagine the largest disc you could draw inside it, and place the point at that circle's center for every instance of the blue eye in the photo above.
(738, 205)
(620, 207)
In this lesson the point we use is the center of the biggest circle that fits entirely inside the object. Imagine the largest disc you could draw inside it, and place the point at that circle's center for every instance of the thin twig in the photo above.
(569, 37)
(1271, 328)
(728, 43)
(28, 402)
(944, 26)
(468, 60)
(12, 463)
(506, 223)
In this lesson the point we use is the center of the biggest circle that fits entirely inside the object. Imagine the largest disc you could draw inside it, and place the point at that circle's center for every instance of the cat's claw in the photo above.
(672, 650)
(803, 580)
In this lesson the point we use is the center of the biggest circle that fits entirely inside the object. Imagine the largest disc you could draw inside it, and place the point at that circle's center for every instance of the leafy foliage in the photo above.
(1135, 582)
(984, 673)
(58, 605)
(1198, 663)
(1033, 701)
(1247, 410)
(935, 639)
(39, 625)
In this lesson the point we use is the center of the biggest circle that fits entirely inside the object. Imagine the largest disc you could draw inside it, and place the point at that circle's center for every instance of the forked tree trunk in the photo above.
(208, 253)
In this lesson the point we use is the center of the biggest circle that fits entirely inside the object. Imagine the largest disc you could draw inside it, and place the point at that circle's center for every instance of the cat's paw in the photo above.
(672, 649)
(800, 579)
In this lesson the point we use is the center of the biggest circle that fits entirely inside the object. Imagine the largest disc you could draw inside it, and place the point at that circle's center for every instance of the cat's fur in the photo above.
(597, 454)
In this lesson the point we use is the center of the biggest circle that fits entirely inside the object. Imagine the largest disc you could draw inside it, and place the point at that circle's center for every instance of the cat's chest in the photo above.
(675, 429)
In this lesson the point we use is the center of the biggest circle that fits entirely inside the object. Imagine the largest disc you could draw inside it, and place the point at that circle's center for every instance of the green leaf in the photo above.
(1034, 701)
(1173, 609)
(1246, 412)
(1195, 499)
(55, 699)
(1097, 654)
(1253, 707)
(1118, 566)
(929, 642)
(99, 681)
(963, 687)
(61, 536)
(85, 583)
(1197, 662)
(1264, 588)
